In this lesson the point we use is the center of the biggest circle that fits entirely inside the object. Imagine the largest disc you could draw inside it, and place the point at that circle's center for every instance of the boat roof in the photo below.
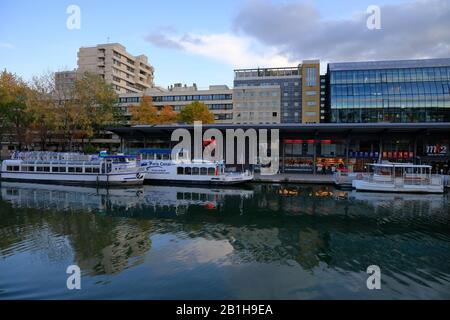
(399, 165)
(159, 151)
(119, 156)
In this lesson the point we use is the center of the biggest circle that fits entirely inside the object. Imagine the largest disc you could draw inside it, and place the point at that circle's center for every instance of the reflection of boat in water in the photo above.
(63, 197)
(159, 198)
(435, 200)
(180, 198)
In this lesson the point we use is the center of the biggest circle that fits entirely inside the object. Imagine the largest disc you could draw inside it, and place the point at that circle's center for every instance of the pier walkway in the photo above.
(305, 178)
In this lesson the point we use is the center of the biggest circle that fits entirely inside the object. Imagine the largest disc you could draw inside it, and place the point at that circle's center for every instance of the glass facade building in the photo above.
(390, 91)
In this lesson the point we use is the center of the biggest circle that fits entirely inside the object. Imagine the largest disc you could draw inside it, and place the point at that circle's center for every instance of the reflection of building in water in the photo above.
(304, 227)
(125, 247)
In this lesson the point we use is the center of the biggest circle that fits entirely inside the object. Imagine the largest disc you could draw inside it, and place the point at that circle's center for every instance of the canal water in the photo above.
(259, 242)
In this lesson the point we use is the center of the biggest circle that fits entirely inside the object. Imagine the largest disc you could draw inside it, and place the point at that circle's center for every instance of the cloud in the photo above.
(419, 29)
(6, 45)
(162, 41)
(268, 33)
(233, 50)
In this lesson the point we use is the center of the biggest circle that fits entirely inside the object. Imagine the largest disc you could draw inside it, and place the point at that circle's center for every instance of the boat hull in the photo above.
(219, 182)
(113, 179)
(361, 185)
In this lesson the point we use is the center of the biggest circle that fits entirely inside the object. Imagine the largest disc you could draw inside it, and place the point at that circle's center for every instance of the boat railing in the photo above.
(406, 179)
(49, 156)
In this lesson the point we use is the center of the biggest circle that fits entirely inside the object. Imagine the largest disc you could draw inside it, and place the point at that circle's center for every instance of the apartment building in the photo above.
(65, 82)
(298, 100)
(218, 98)
(126, 72)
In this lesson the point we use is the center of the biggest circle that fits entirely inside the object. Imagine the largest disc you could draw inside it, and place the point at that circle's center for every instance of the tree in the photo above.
(14, 115)
(196, 111)
(98, 102)
(43, 108)
(167, 115)
(145, 113)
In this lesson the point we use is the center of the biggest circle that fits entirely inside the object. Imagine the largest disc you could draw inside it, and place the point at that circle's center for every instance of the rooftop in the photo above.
(389, 64)
(291, 127)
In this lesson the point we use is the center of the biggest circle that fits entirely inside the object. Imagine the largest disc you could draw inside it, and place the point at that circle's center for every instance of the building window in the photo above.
(311, 76)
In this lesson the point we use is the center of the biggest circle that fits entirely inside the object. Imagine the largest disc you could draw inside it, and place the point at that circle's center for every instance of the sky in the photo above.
(202, 42)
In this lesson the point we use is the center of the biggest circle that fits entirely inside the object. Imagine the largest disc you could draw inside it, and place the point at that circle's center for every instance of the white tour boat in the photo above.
(400, 177)
(160, 167)
(72, 169)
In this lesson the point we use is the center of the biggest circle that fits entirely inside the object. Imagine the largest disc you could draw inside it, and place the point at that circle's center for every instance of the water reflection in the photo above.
(329, 234)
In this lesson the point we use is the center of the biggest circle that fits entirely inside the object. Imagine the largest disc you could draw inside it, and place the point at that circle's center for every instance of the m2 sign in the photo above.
(437, 150)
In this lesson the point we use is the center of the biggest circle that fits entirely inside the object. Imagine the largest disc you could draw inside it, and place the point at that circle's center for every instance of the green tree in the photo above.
(196, 111)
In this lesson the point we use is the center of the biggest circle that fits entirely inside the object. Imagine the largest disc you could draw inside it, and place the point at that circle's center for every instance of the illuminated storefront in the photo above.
(325, 148)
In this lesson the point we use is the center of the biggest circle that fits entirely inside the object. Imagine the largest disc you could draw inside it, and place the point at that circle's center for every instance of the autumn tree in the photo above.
(97, 101)
(42, 106)
(167, 116)
(145, 113)
(196, 111)
(14, 115)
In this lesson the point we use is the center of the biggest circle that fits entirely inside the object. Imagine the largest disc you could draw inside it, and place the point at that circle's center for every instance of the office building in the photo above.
(218, 99)
(390, 91)
(299, 100)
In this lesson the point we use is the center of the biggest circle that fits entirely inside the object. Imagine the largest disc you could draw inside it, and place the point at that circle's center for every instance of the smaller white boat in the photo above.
(72, 169)
(160, 167)
(401, 178)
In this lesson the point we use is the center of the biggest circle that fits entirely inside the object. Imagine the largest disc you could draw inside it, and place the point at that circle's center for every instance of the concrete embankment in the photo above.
(295, 178)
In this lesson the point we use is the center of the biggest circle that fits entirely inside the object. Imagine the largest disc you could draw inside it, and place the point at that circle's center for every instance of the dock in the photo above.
(295, 178)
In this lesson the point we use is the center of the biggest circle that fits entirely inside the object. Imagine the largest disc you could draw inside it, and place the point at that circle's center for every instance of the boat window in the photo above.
(71, 169)
(39, 169)
(55, 169)
(187, 170)
(46, 169)
(62, 169)
(166, 156)
(180, 170)
(158, 156)
(195, 171)
(211, 171)
(78, 169)
(88, 170)
(31, 169)
(203, 171)
(96, 170)
(12, 168)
